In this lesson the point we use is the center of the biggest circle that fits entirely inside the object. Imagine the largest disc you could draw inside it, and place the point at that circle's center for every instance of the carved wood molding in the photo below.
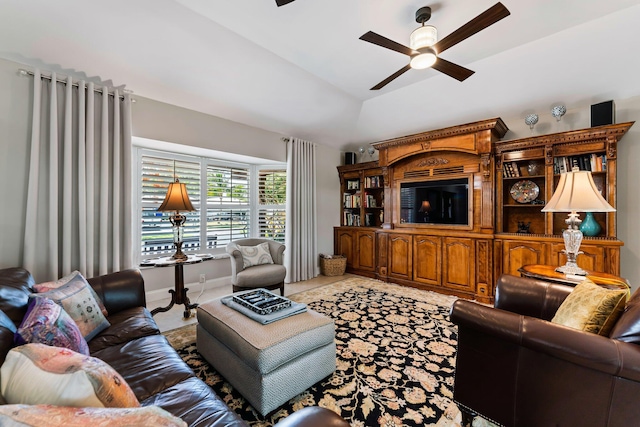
(485, 161)
(358, 166)
(607, 133)
(432, 161)
(496, 125)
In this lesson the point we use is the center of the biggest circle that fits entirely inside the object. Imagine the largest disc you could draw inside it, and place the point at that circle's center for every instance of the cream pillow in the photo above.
(591, 308)
(256, 255)
(65, 416)
(40, 374)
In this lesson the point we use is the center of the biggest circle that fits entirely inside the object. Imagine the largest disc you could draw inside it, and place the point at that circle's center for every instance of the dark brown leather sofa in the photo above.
(517, 368)
(134, 347)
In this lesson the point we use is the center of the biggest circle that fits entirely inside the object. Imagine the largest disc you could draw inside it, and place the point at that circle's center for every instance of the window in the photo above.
(157, 232)
(272, 196)
(228, 204)
(232, 201)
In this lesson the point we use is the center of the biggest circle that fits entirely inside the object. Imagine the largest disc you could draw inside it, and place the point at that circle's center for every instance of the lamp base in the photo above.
(571, 268)
(572, 238)
(179, 255)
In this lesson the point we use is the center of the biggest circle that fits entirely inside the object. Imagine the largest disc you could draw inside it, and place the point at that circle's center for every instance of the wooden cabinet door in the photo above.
(400, 256)
(517, 253)
(427, 257)
(365, 251)
(458, 263)
(344, 245)
(592, 259)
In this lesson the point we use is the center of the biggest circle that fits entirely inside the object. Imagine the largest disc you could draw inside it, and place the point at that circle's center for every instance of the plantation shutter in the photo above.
(228, 204)
(157, 232)
(272, 192)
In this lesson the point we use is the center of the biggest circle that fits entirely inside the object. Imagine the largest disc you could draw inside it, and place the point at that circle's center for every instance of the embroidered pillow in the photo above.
(39, 374)
(64, 416)
(47, 323)
(48, 286)
(591, 308)
(79, 300)
(256, 255)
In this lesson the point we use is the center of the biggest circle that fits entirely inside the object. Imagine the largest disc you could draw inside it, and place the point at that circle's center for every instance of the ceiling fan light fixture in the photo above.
(425, 59)
(425, 36)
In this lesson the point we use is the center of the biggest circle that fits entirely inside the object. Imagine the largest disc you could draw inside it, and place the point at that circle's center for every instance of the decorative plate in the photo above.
(524, 191)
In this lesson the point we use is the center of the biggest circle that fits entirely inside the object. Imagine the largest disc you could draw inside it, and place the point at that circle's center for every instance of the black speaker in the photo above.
(603, 113)
(349, 158)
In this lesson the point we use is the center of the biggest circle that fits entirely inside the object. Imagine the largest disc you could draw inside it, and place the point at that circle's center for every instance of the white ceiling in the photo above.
(300, 69)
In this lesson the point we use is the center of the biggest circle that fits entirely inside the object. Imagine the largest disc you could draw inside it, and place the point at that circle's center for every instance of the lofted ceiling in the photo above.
(301, 70)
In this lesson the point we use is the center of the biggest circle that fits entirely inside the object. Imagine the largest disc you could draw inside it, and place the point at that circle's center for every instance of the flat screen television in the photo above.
(439, 201)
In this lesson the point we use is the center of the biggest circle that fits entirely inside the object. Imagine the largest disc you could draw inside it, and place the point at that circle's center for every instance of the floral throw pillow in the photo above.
(47, 323)
(38, 374)
(256, 255)
(80, 301)
(75, 276)
(64, 416)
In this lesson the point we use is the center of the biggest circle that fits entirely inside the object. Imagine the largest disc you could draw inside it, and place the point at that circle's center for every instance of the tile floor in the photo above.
(173, 318)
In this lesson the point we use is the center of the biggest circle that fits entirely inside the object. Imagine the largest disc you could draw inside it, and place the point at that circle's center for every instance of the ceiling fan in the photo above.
(283, 2)
(425, 48)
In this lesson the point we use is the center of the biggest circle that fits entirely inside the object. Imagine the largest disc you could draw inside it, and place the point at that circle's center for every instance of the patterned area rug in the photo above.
(395, 358)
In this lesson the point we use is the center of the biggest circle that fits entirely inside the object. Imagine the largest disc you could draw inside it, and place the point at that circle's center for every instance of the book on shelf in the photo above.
(510, 170)
(351, 200)
(372, 181)
(350, 219)
(585, 162)
(515, 169)
(370, 201)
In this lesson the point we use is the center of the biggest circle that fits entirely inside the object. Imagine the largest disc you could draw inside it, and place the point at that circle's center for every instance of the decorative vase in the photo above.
(531, 120)
(590, 226)
(558, 111)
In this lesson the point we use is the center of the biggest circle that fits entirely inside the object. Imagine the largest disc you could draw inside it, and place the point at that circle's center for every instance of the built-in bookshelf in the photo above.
(362, 195)
(530, 169)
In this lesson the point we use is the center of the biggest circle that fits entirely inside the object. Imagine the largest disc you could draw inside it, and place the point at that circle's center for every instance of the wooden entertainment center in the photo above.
(450, 210)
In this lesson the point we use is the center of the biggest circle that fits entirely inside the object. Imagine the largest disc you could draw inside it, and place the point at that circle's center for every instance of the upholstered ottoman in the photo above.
(268, 364)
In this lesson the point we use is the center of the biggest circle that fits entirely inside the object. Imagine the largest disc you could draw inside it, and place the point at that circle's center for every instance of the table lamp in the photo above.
(576, 192)
(425, 208)
(177, 200)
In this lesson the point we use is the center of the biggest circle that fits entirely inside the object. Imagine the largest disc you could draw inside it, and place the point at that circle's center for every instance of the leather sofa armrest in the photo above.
(313, 416)
(585, 349)
(121, 290)
(530, 297)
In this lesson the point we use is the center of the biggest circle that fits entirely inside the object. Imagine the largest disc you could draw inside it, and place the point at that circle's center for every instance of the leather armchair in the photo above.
(268, 276)
(516, 368)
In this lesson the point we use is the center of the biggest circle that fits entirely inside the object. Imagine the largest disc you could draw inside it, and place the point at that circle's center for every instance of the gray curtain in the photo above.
(78, 214)
(301, 254)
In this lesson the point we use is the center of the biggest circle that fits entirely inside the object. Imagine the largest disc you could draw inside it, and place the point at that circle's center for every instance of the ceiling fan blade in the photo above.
(283, 2)
(477, 24)
(453, 70)
(392, 77)
(375, 38)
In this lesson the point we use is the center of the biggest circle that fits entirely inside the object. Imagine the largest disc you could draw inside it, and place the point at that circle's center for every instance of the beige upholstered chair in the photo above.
(269, 276)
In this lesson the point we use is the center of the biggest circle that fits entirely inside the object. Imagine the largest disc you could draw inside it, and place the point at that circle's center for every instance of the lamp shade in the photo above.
(425, 207)
(576, 192)
(177, 198)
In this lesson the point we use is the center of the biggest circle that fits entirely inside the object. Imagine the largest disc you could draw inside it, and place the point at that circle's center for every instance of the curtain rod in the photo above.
(24, 72)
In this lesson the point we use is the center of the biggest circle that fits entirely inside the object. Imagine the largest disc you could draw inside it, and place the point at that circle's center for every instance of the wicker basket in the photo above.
(334, 266)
